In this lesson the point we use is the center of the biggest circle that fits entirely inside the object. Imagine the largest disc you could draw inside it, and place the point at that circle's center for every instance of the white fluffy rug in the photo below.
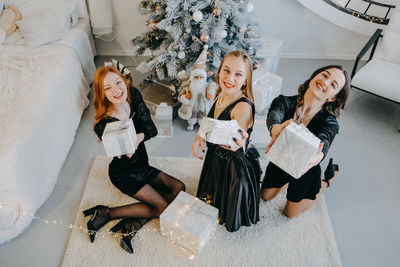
(274, 241)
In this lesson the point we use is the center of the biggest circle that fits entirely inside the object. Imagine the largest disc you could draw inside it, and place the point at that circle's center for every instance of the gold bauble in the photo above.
(216, 11)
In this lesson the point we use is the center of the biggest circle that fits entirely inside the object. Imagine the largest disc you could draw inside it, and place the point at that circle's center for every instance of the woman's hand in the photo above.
(275, 132)
(198, 142)
(316, 159)
(240, 142)
(139, 139)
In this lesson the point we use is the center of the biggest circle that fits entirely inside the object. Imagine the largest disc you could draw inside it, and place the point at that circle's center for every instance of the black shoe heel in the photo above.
(118, 226)
(330, 171)
(100, 217)
(92, 210)
(128, 230)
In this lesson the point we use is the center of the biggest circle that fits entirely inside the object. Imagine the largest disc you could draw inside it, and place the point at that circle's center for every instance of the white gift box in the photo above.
(294, 148)
(219, 132)
(119, 138)
(189, 222)
(266, 86)
(270, 50)
(163, 119)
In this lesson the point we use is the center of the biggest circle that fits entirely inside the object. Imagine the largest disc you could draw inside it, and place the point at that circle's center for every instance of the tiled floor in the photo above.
(362, 202)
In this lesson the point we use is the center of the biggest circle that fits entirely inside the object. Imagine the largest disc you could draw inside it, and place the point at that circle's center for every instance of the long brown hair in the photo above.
(248, 88)
(333, 107)
(101, 104)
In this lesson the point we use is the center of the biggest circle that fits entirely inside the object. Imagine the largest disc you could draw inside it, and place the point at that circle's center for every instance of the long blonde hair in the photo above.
(247, 89)
(101, 104)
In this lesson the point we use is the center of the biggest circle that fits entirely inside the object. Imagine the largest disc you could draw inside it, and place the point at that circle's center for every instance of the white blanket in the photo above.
(43, 93)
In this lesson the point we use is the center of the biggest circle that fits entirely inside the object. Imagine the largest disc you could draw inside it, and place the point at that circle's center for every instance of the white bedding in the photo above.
(43, 92)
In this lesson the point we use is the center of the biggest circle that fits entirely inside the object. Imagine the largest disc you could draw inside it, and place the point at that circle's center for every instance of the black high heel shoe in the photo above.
(129, 228)
(100, 217)
(330, 171)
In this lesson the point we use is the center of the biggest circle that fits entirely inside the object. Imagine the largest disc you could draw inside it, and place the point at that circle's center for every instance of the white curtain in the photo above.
(101, 18)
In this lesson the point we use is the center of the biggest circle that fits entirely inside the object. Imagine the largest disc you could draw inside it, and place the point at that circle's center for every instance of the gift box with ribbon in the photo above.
(119, 138)
(294, 149)
(219, 132)
(189, 222)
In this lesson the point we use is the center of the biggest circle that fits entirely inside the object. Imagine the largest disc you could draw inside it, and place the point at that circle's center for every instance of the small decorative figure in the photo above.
(196, 95)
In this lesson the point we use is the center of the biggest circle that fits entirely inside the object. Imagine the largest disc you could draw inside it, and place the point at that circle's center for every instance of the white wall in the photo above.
(305, 34)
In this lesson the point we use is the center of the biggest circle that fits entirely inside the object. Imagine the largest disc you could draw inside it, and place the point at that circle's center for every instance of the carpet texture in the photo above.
(274, 241)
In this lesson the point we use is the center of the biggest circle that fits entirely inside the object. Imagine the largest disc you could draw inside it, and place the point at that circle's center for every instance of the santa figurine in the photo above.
(196, 94)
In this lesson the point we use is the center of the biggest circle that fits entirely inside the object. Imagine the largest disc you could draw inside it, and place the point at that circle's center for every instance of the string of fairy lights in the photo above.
(340, 4)
(171, 236)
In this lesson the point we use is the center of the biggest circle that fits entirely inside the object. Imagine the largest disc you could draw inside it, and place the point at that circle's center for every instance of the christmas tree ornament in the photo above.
(204, 38)
(158, 7)
(221, 34)
(153, 24)
(216, 11)
(168, 29)
(197, 16)
(187, 30)
(143, 4)
(149, 9)
(240, 30)
(181, 55)
(249, 7)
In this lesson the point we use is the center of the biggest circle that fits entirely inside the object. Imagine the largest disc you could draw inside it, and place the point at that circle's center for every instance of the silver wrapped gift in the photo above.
(266, 87)
(119, 138)
(189, 222)
(294, 148)
(163, 119)
(219, 132)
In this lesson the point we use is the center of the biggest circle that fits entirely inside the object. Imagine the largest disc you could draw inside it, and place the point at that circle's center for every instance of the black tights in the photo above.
(154, 198)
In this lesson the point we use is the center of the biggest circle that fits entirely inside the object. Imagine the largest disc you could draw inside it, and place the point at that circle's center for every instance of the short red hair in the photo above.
(101, 104)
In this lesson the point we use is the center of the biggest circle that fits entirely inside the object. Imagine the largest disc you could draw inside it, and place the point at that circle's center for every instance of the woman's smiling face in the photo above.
(115, 88)
(327, 84)
(232, 75)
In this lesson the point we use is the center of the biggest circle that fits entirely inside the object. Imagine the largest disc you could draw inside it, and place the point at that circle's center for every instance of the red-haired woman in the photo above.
(115, 100)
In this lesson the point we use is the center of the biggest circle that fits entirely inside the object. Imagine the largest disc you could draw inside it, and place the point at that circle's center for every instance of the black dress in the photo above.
(130, 174)
(323, 125)
(229, 181)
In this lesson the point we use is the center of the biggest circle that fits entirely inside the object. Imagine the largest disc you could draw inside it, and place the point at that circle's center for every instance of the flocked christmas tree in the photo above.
(180, 28)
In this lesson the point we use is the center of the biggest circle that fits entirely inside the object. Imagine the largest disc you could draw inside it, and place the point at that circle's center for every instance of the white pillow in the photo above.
(40, 30)
(14, 38)
(44, 21)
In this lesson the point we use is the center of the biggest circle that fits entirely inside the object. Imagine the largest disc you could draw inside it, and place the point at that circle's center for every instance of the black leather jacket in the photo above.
(323, 125)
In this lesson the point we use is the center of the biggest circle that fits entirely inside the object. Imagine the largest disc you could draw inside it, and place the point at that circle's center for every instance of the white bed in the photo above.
(43, 93)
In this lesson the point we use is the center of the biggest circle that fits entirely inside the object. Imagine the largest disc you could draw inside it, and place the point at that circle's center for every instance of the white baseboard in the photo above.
(318, 56)
(115, 52)
(109, 52)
